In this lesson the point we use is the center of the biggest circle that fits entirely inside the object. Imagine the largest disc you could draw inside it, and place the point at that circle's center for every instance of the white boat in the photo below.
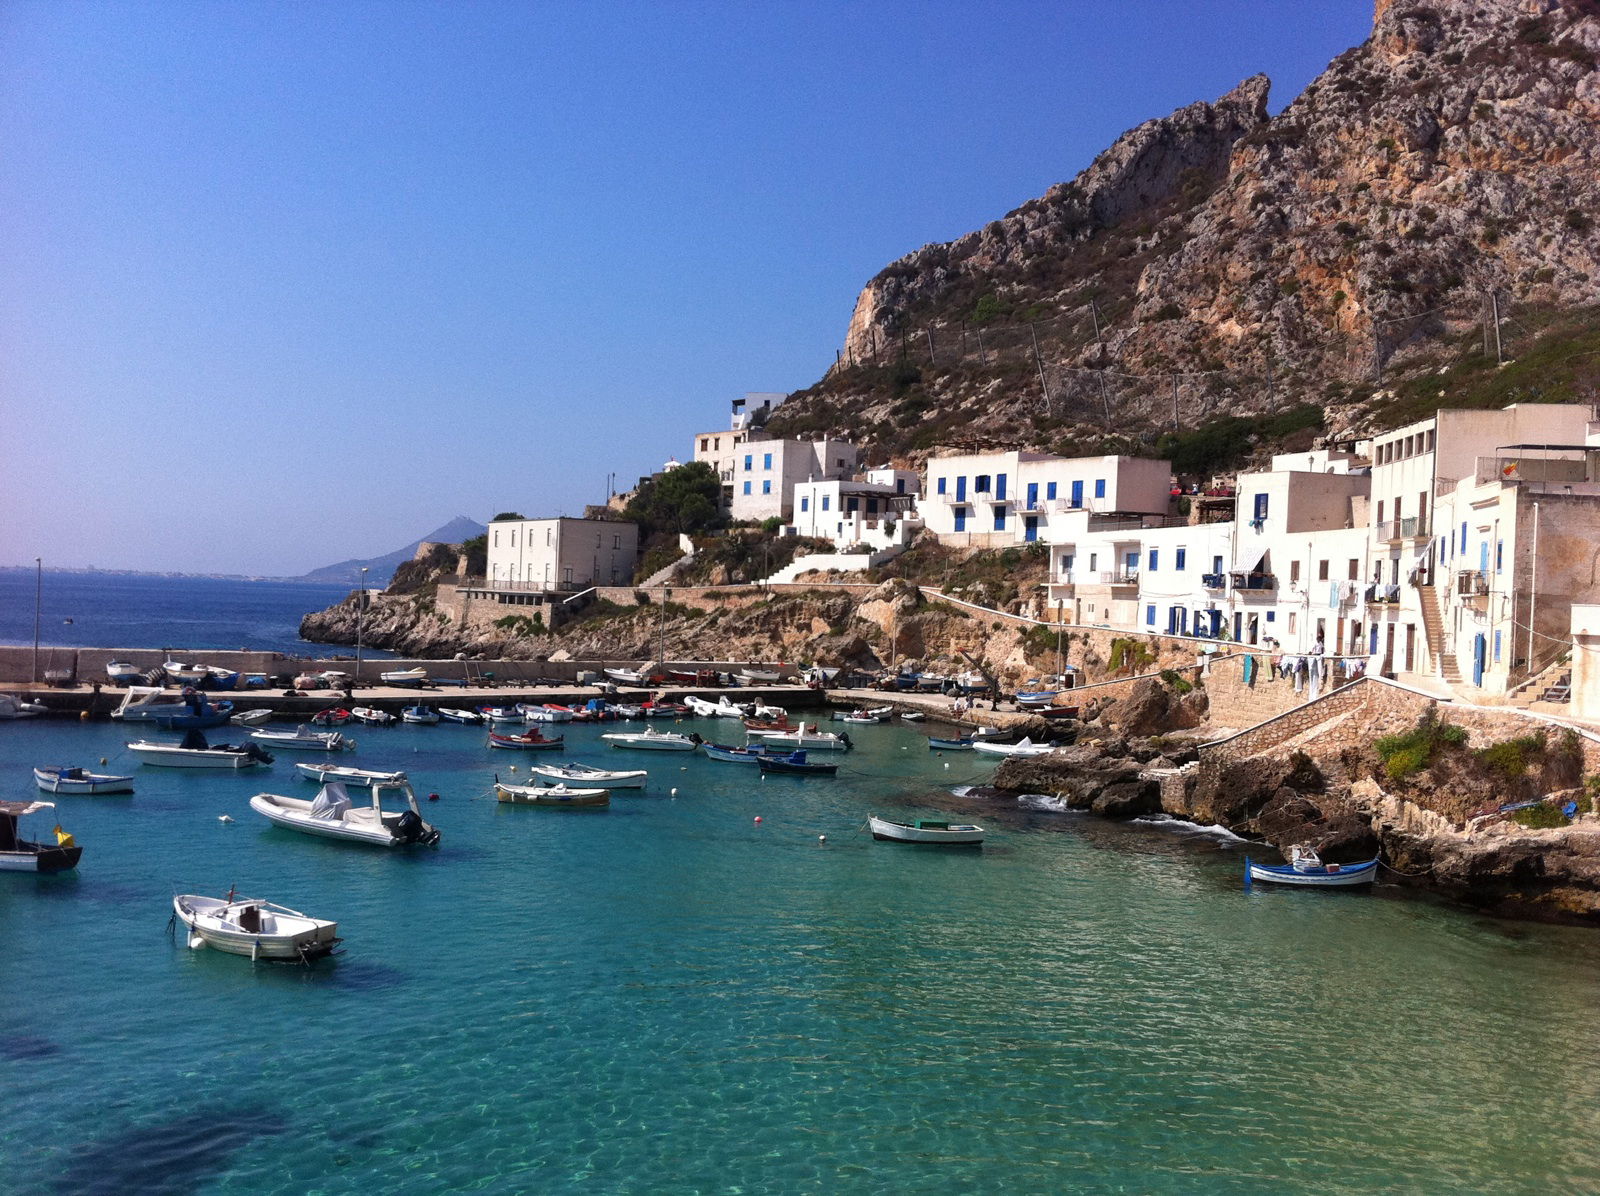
(556, 796)
(303, 738)
(185, 674)
(146, 703)
(24, 855)
(332, 815)
(14, 707)
(701, 707)
(250, 926)
(120, 672)
(372, 716)
(727, 709)
(192, 751)
(77, 780)
(500, 714)
(424, 716)
(251, 718)
(323, 773)
(880, 714)
(451, 715)
(651, 740)
(927, 831)
(809, 738)
(1023, 747)
(759, 676)
(548, 713)
(625, 676)
(912, 716)
(405, 677)
(1306, 870)
(583, 774)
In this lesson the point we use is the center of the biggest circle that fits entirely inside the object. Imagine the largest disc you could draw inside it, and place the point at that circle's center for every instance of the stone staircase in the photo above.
(1552, 684)
(1444, 663)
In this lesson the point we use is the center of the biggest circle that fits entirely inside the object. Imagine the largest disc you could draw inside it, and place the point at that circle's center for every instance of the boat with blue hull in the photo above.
(949, 745)
(741, 755)
(1306, 870)
(795, 765)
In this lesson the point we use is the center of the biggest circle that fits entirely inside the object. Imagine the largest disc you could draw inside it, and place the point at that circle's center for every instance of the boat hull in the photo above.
(54, 782)
(170, 757)
(602, 778)
(954, 835)
(516, 744)
(641, 743)
(206, 919)
(571, 799)
(1331, 876)
(40, 857)
(371, 835)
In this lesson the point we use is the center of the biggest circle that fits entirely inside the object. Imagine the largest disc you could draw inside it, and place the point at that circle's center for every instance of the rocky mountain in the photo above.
(381, 568)
(1223, 262)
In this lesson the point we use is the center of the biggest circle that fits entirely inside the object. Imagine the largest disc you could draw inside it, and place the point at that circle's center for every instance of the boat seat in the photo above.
(250, 919)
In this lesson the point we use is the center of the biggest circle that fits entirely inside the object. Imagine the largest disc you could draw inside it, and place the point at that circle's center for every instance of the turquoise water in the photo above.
(669, 997)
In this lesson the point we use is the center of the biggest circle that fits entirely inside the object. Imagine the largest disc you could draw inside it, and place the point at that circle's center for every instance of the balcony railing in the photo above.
(1407, 528)
(1254, 581)
(1471, 583)
(1381, 595)
(1117, 577)
(1214, 581)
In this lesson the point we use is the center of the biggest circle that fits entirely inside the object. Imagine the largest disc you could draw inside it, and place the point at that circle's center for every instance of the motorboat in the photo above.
(912, 716)
(583, 774)
(660, 709)
(304, 739)
(950, 745)
(701, 707)
(219, 678)
(185, 674)
(251, 718)
(759, 676)
(1023, 747)
(626, 676)
(651, 740)
(64, 779)
(371, 716)
(881, 714)
(530, 741)
(146, 703)
(927, 832)
(404, 677)
(1305, 869)
(120, 672)
(331, 814)
(249, 926)
(727, 709)
(500, 714)
(795, 764)
(729, 754)
(628, 710)
(192, 751)
(534, 713)
(23, 855)
(197, 711)
(451, 715)
(333, 716)
(14, 707)
(422, 716)
(558, 797)
(360, 777)
(813, 738)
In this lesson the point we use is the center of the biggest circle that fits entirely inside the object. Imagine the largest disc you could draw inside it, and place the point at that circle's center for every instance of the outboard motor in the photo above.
(844, 738)
(255, 753)
(410, 828)
(694, 737)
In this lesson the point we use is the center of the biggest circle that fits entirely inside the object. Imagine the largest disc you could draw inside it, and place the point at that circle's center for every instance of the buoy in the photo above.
(433, 797)
(822, 838)
(513, 768)
(758, 817)
(224, 818)
(83, 716)
(102, 759)
(674, 791)
(947, 764)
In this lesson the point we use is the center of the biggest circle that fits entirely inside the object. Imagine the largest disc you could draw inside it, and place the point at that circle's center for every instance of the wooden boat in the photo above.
(304, 739)
(333, 716)
(120, 672)
(795, 764)
(251, 718)
(729, 754)
(583, 774)
(705, 678)
(950, 745)
(63, 779)
(250, 926)
(625, 676)
(192, 751)
(651, 740)
(819, 740)
(557, 797)
(184, 674)
(880, 715)
(759, 676)
(451, 715)
(1023, 747)
(912, 716)
(405, 677)
(500, 714)
(927, 832)
(1305, 869)
(424, 716)
(371, 716)
(23, 855)
(659, 709)
(766, 724)
(13, 707)
(361, 777)
(332, 815)
(532, 741)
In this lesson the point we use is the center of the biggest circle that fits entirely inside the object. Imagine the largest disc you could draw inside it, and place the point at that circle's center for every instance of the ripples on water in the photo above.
(670, 997)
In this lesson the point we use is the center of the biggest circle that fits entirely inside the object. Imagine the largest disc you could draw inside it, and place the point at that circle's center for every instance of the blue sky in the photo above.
(287, 283)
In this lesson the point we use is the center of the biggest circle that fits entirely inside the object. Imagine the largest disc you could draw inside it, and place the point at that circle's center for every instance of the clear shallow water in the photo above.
(668, 997)
(113, 611)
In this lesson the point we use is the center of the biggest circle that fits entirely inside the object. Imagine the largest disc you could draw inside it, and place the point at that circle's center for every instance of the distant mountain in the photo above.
(381, 568)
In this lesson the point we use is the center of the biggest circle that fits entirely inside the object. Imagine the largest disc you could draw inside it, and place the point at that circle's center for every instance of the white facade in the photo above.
(765, 473)
(561, 554)
(877, 513)
(996, 499)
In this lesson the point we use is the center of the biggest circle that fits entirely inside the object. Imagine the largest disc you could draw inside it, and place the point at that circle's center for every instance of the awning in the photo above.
(18, 809)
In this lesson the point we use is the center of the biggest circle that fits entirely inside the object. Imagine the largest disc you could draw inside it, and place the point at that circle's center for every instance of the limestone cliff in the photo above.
(1220, 261)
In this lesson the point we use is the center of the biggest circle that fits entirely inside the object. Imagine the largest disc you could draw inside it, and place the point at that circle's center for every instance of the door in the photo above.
(1030, 528)
(1077, 494)
(1388, 648)
(1479, 648)
(961, 488)
(1238, 626)
(961, 518)
(1033, 495)
(1411, 647)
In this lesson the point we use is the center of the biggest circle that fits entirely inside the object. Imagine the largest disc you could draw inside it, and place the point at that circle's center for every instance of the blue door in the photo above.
(1483, 558)
(1479, 646)
(999, 486)
(961, 519)
(961, 488)
(1077, 494)
(1030, 528)
(1033, 495)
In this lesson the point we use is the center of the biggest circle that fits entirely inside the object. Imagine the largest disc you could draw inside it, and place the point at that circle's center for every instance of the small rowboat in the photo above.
(1023, 747)
(583, 774)
(500, 714)
(334, 716)
(405, 677)
(424, 716)
(249, 926)
(950, 745)
(927, 832)
(1306, 870)
(122, 673)
(795, 765)
(530, 742)
(194, 751)
(303, 738)
(452, 715)
(323, 773)
(373, 717)
(251, 718)
(23, 855)
(76, 780)
(557, 797)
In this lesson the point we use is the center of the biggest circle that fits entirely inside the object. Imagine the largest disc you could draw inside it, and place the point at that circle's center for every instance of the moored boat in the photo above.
(553, 796)
(1305, 869)
(759, 676)
(192, 751)
(651, 740)
(500, 714)
(528, 742)
(332, 815)
(404, 677)
(950, 745)
(729, 754)
(251, 718)
(424, 716)
(584, 774)
(927, 832)
(1023, 747)
(451, 715)
(795, 764)
(64, 779)
(701, 707)
(24, 855)
(304, 739)
(804, 738)
(120, 672)
(364, 777)
(14, 707)
(250, 926)
(371, 716)
(333, 716)
(146, 703)
(197, 711)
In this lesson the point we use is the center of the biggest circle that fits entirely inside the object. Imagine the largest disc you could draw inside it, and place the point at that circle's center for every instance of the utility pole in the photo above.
(1094, 311)
(1174, 400)
(361, 614)
(1039, 361)
(1494, 304)
(928, 332)
(1105, 399)
(38, 596)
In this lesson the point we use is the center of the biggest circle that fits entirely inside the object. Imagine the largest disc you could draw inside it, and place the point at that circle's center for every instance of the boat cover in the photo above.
(331, 802)
(194, 740)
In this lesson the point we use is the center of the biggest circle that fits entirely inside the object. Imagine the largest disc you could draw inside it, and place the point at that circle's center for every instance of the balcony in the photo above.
(1214, 581)
(1257, 582)
(1471, 584)
(1412, 527)
(1379, 594)
(1117, 577)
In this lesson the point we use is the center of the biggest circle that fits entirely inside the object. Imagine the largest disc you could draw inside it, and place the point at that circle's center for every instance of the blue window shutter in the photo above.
(1033, 494)
(1497, 646)
(1077, 494)
(766, 487)
(1183, 555)
(1099, 487)
(826, 501)
(805, 504)
(961, 519)
(1499, 554)
(747, 487)
(999, 485)
(1155, 555)
(1150, 615)
(1463, 536)
(766, 461)
(939, 486)
(1050, 491)
(1261, 506)
(999, 519)
(748, 459)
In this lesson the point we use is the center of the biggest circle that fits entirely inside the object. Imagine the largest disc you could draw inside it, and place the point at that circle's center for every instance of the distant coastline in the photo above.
(90, 571)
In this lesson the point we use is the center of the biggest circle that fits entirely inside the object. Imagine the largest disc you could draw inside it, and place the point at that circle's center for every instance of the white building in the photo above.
(991, 500)
(876, 512)
(765, 473)
(557, 555)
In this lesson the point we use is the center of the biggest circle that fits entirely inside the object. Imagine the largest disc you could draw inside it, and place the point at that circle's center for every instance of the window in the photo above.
(766, 460)
(705, 442)
(747, 460)
(805, 502)
(497, 537)
(852, 503)
(766, 487)
(616, 542)
(999, 485)
(1066, 563)
(1499, 556)
(1182, 559)
(1355, 570)
(1150, 615)
(826, 499)
(980, 484)
(1380, 512)
(1050, 491)
(1463, 536)
(961, 519)
(1155, 555)
(1077, 494)
(999, 519)
(747, 487)
(1260, 510)
(1291, 622)
(1428, 441)
(1131, 562)
(899, 485)
(872, 506)
(1322, 570)
(1216, 564)
(938, 486)
(1094, 561)
(1497, 647)
(1294, 572)
(1272, 617)
(1099, 487)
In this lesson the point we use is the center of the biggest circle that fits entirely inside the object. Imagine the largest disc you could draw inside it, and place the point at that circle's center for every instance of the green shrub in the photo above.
(1543, 816)
(1509, 759)
(1175, 681)
(1410, 752)
(1130, 654)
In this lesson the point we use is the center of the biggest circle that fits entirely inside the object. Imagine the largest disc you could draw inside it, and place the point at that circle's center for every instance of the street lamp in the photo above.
(38, 594)
(361, 613)
(661, 634)
(1061, 606)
